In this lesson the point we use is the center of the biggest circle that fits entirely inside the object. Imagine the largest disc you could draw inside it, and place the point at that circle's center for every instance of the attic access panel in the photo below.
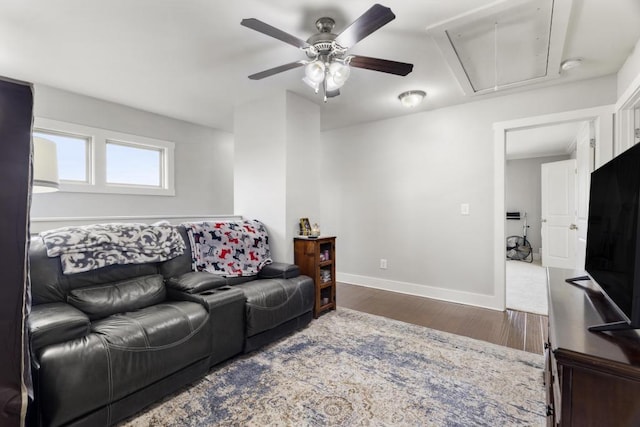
(505, 44)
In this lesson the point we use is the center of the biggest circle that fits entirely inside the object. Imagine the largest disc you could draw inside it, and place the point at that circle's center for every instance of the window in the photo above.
(72, 154)
(133, 165)
(101, 161)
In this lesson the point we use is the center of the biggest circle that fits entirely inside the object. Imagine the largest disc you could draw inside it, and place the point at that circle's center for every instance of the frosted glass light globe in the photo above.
(313, 85)
(315, 71)
(339, 72)
(412, 98)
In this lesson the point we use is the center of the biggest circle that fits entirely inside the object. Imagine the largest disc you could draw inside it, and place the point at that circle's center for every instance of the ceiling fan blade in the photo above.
(383, 65)
(276, 70)
(373, 19)
(267, 29)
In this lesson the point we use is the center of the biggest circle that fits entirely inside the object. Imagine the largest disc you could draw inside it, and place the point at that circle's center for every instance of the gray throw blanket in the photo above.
(90, 247)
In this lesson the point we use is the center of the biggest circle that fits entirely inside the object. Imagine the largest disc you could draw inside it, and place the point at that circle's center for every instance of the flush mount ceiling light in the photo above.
(412, 98)
(327, 66)
(570, 63)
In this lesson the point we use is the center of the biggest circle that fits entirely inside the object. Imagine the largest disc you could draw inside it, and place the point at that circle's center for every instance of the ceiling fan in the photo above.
(327, 66)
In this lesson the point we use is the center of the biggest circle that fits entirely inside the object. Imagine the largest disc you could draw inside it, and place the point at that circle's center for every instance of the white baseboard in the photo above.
(449, 295)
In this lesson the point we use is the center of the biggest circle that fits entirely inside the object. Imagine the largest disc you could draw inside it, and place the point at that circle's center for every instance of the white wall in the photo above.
(522, 191)
(259, 172)
(392, 189)
(203, 161)
(303, 165)
(277, 142)
(629, 72)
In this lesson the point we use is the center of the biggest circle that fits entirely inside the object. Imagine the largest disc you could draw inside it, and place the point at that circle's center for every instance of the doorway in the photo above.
(602, 119)
(532, 200)
(525, 200)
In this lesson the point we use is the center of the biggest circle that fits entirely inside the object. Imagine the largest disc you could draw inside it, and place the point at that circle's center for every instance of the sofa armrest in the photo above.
(195, 282)
(212, 298)
(55, 323)
(279, 270)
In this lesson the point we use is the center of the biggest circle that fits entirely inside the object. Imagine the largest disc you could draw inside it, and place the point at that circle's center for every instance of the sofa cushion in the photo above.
(48, 284)
(158, 326)
(128, 295)
(180, 264)
(271, 302)
(151, 343)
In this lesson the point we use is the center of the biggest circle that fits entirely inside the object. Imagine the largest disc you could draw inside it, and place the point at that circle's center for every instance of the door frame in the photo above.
(603, 123)
(624, 108)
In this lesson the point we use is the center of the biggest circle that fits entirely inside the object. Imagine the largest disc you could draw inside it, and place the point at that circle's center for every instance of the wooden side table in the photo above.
(316, 259)
(592, 378)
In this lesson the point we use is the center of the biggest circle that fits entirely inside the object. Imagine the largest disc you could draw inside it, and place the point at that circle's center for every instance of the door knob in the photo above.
(573, 227)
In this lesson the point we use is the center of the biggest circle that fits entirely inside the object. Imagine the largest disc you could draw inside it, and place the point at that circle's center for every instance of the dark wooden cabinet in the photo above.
(592, 378)
(317, 259)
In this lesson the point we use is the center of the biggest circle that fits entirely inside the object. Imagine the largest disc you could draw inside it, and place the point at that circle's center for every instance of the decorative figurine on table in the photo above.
(315, 230)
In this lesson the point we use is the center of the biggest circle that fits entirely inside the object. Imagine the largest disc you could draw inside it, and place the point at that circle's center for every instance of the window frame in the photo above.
(138, 146)
(97, 159)
(88, 172)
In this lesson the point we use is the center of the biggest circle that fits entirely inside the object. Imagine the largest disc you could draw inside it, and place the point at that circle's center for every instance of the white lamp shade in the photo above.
(45, 166)
(313, 85)
(338, 75)
(315, 71)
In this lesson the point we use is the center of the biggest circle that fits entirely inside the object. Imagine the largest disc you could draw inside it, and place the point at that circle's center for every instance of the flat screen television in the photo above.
(613, 236)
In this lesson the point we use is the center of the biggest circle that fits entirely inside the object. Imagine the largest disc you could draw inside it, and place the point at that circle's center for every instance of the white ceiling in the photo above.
(480, 45)
(551, 140)
(190, 59)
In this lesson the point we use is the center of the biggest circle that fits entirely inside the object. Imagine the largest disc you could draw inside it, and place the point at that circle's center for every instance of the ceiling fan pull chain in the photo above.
(324, 84)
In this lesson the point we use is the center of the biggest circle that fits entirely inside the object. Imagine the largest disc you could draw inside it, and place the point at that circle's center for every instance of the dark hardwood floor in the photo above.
(515, 329)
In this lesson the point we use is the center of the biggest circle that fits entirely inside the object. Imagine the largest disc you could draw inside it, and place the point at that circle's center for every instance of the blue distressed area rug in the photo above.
(349, 368)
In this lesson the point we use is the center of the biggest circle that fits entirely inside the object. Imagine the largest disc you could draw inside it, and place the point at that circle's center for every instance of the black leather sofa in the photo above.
(108, 342)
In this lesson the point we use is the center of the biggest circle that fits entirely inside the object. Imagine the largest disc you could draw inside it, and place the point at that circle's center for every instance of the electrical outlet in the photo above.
(383, 263)
(464, 209)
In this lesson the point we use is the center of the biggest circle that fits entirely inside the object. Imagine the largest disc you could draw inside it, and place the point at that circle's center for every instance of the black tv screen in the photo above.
(612, 258)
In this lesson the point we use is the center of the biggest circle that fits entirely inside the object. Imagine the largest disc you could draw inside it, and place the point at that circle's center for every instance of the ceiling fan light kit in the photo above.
(328, 66)
(412, 98)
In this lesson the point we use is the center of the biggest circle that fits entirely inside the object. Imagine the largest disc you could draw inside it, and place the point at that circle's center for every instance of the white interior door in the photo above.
(558, 214)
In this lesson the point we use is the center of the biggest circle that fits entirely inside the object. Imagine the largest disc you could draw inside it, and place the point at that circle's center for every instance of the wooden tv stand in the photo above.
(592, 378)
